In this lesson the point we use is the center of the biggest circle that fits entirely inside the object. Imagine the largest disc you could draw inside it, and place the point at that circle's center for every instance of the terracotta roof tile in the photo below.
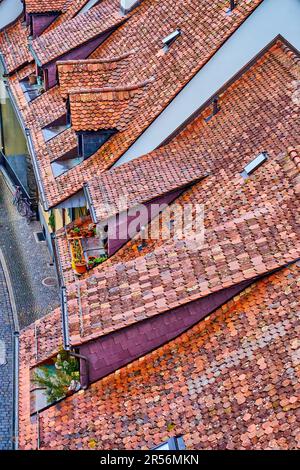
(14, 47)
(90, 73)
(252, 232)
(238, 366)
(143, 179)
(44, 6)
(77, 31)
(171, 75)
(106, 108)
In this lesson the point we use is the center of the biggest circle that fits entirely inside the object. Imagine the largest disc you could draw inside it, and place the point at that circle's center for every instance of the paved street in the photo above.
(6, 365)
(27, 261)
(28, 265)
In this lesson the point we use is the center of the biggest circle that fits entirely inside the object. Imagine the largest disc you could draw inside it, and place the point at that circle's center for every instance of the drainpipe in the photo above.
(66, 336)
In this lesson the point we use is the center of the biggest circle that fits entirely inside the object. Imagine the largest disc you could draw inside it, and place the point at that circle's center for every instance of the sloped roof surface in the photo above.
(252, 231)
(239, 367)
(171, 72)
(90, 73)
(44, 6)
(77, 31)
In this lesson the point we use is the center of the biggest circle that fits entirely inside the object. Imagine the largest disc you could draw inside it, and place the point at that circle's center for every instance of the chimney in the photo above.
(128, 5)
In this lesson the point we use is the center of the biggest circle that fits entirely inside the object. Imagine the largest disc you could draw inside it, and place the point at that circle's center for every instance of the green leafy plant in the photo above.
(100, 259)
(61, 379)
(52, 221)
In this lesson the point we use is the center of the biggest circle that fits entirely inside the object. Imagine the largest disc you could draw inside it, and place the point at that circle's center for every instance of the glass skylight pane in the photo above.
(254, 164)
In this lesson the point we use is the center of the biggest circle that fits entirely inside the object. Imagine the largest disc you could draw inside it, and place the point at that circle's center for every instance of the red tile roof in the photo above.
(14, 39)
(14, 46)
(253, 231)
(171, 75)
(143, 179)
(44, 6)
(77, 31)
(105, 108)
(75, 75)
(228, 383)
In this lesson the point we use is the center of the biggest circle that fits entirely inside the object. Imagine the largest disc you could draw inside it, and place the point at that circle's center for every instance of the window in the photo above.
(55, 128)
(174, 443)
(66, 162)
(168, 40)
(254, 164)
(90, 142)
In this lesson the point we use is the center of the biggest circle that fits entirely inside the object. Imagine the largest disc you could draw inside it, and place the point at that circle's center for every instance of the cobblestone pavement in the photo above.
(6, 366)
(27, 261)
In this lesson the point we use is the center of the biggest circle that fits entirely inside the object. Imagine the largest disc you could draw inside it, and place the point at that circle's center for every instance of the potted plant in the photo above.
(91, 230)
(80, 265)
(61, 380)
(100, 259)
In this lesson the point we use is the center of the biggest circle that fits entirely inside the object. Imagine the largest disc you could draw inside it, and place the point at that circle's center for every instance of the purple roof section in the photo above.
(111, 352)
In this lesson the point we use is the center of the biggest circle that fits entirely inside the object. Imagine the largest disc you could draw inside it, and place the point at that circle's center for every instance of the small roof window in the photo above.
(174, 443)
(168, 40)
(254, 164)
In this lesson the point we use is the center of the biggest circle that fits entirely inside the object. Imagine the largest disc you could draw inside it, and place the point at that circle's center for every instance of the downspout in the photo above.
(66, 337)
(65, 317)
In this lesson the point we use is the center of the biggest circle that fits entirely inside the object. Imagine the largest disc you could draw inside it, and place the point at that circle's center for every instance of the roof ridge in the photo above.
(130, 87)
(103, 60)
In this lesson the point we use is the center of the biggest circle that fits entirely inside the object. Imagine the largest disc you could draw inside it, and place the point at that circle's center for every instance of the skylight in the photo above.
(174, 443)
(254, 164)
(168, 40)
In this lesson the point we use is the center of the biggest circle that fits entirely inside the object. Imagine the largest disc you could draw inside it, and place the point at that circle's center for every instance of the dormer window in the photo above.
(33, 85)
(56, 127)
(168, 40)
(91, 141)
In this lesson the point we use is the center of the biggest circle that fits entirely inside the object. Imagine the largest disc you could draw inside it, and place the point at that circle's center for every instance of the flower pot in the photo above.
(80, 268)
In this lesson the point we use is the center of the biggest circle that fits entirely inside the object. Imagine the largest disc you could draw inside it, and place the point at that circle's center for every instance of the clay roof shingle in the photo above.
(170, 73)
(77, 31)
(250, 228)
(90, 73)
(239, 366)
(106, 108)
(143, 179)
(44, 6)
